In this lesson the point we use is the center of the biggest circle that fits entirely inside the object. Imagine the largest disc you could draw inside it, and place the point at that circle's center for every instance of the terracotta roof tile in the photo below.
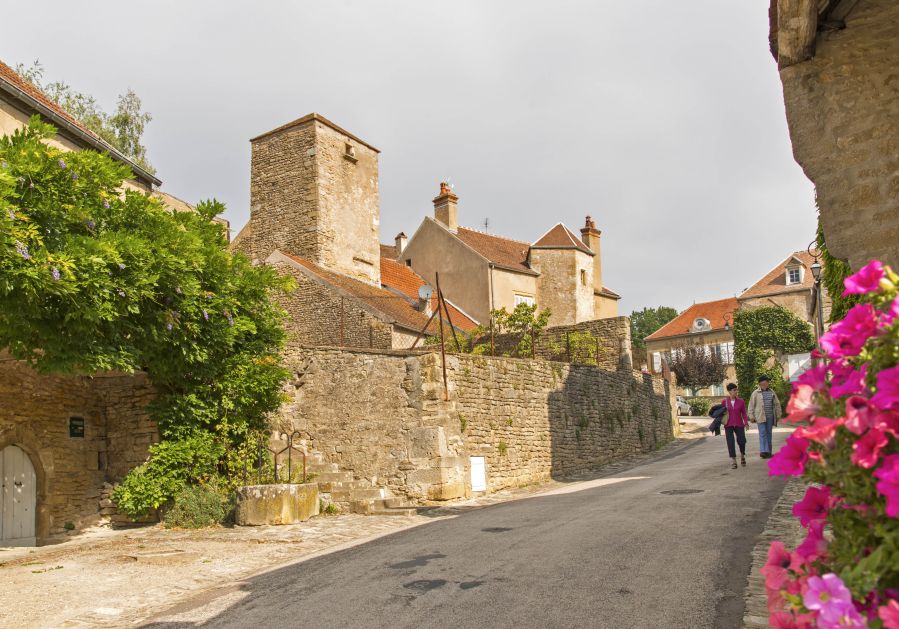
(714, 311)
(388, 251)
(399, 277)
(503, 252)
(775, 282)
(560, 237)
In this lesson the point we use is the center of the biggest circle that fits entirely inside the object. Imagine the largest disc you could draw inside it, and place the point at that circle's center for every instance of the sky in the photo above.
(664, 121)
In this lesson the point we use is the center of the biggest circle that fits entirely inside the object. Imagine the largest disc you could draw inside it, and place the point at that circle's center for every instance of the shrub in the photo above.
(846, 572)
(200, 506)
(699, 406)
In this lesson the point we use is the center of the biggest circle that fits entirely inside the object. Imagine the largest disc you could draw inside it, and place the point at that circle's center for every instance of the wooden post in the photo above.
(442, 353)
(441, 300)
(418, 338)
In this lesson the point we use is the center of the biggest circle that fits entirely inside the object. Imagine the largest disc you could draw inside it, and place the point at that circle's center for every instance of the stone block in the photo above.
(276, 504)
(426, 442)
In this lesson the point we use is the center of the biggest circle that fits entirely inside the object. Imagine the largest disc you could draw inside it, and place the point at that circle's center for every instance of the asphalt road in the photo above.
(617, 552)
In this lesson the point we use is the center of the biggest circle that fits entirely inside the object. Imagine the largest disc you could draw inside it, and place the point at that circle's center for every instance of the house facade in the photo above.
(481, 272)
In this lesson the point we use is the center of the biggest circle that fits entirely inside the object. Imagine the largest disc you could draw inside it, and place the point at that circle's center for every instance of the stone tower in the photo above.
(314, 194)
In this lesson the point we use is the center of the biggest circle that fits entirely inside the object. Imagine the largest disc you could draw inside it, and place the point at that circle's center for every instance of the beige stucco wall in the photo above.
(604, 307)
(798, 303)
(507, 284)
(464, 275)
(559, 286)
(842, 107)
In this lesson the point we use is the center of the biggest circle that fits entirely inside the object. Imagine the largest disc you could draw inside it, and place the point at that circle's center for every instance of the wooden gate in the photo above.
(18, 498)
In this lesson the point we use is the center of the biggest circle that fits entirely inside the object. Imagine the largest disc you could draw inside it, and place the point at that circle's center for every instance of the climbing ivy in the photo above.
(761, 333)
(833, 272)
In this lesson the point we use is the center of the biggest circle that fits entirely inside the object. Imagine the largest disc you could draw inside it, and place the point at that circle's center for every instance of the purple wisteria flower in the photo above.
(3, 164)
(230, 318)
(168, 326)
(23, 250)
(205, 315)
(90, 224)
(121, 267)
(74, 176)
(105, 204)
(178, 289)
(121, 293)
(12, 215)
(54, 272)
(61, 163)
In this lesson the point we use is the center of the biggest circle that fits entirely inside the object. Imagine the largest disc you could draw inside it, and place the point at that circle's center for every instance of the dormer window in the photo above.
(701, 325)
(794, 275)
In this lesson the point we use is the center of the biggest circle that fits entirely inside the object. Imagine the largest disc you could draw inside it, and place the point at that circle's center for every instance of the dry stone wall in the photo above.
(386, 417)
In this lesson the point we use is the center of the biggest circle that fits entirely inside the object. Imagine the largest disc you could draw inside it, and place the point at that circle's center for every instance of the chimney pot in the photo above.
(400, 242)
(445, 207)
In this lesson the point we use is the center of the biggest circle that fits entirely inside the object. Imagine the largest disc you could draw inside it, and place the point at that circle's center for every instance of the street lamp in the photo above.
(727, 315)
(816, 273)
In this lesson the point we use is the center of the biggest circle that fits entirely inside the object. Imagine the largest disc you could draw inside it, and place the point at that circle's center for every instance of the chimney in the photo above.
(445, 207)
(590, 235)
(400, 241)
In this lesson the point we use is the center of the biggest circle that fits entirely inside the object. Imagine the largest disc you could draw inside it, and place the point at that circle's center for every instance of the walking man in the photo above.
(764, 410)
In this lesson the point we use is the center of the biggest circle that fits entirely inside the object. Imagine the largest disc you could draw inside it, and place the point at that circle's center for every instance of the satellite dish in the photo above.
(425, 292)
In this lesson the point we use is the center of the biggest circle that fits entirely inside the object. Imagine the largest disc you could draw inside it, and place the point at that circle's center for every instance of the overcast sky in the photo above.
(663, 120)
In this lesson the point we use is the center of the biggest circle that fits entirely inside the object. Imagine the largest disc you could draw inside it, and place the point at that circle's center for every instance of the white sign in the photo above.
(478, 474)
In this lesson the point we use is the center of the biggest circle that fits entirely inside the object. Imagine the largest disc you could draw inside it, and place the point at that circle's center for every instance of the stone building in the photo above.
(837, 61)
(314, 215)
(789, 284)
(482, 272)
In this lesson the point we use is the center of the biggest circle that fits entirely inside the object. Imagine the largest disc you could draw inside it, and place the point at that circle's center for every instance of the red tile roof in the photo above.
(714, 311)
(775, 282)
(11, 78)
(388, 251)
(560, 237)
(401, 278)
(505, 253)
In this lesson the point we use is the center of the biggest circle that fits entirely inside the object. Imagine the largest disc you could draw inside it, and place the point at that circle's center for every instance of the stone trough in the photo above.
(276, 504)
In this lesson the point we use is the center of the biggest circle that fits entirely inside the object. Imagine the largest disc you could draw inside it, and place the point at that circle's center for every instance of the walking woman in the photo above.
(737, 420)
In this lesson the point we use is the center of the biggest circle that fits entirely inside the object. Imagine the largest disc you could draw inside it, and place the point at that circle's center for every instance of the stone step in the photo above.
(398, 503)
(357, 494)
(333, 477)
(380, 507)
(342, 486)
(322, 467)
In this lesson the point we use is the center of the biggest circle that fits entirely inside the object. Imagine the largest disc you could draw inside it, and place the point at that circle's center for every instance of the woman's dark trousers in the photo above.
(740, 432)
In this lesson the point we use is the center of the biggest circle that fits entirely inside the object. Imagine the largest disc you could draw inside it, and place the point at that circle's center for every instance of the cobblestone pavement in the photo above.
(114, 578)
(783, 526)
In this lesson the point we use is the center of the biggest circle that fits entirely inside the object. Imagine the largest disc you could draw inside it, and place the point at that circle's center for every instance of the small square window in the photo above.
(583, 277)
(349, 152)
(794, 276)
(409, 262)
(524, 299)
(76, 427)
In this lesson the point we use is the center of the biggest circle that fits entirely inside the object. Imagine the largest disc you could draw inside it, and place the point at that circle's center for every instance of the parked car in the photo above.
(682, 407)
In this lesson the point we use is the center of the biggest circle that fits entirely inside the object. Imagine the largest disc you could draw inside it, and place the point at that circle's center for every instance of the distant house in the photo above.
(482, 272)
(789, 284)
(708, 324)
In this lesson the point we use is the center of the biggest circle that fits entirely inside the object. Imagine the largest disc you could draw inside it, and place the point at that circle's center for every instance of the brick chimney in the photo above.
(590, 235)
(445, 207)
(400, 242)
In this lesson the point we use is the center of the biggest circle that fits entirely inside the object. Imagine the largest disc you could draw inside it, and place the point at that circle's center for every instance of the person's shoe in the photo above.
(743, 460)
(734, 466)
(761, 455)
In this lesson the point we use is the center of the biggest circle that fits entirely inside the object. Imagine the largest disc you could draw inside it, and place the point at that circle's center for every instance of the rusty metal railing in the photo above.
(265, 464)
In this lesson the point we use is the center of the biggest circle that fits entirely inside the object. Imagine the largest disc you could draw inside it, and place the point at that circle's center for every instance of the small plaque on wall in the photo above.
(76, 427)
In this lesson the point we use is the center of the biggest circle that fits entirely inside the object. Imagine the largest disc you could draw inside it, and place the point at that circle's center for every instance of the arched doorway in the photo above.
(18, 498)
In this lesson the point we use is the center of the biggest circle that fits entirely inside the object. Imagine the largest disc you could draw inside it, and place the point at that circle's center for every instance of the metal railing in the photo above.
(266, 464)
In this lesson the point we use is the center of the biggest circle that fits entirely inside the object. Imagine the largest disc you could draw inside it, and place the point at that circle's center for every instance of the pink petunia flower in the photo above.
(891, 313)
(775, 569)
(822, 430)
(859, 414)
(866, 451)
(888, 474)
(825, 592)
(802, 404)
(887, 392)
(840, 617)
(815, 377)
(814, 546)
(847, 337)
(867, 280)
(887, 421)
(790, 459)
(788, 620)
(813, 506)
(889, 614)
(846, 379)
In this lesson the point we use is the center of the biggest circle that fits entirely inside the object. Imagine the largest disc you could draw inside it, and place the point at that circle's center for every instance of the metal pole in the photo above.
(418, 338)
(443, 353)
(441, 300)
(820, 307)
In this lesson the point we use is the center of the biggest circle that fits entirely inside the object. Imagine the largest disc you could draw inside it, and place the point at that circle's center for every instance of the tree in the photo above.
(645, 322)
(696, 367)
(123, 129)
(95, 277)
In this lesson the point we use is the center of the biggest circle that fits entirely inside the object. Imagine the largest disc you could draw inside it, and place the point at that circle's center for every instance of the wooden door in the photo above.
(18, 498)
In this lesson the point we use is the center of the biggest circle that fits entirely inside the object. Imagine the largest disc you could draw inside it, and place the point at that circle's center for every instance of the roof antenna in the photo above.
(486, 223)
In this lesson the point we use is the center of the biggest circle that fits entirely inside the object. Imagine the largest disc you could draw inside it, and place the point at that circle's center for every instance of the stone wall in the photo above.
(560, 286)
(385, 416)
(613, 336)
(319, 315)
(35, 412)
(842, 107)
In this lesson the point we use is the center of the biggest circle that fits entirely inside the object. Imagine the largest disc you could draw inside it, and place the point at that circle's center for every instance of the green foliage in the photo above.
(645, 322)
(502, 448)
(699, 406)
(200, 506)
(123, 129)
(327, 509)
(585, 348)
(94, 278)
(760, 334)
(833, 272)
(463, 423)
(696, 367)
(522, 324)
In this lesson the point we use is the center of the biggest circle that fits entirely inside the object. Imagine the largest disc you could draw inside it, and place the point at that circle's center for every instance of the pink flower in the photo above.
(814, 546)
(888, 473)
(867, 280)
(892, 312)
(822, 431)
(775, 569)
(847, 337)
(846, 379)
(866, 451)
(802, 404)
(786, 620)
(840, 617)
(887, 421)
(814, 506)
(859, 414)
(889, 614)
(825, 592)
(815, 377)
(790, 459)
(887, 390)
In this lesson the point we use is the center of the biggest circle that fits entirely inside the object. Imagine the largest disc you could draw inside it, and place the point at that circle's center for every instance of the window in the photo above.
(349, 153)
(656, 362)
(717, 389)
(409, 262)
(583, 277)
(724, 352)
(794, 275)
(524, 299)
